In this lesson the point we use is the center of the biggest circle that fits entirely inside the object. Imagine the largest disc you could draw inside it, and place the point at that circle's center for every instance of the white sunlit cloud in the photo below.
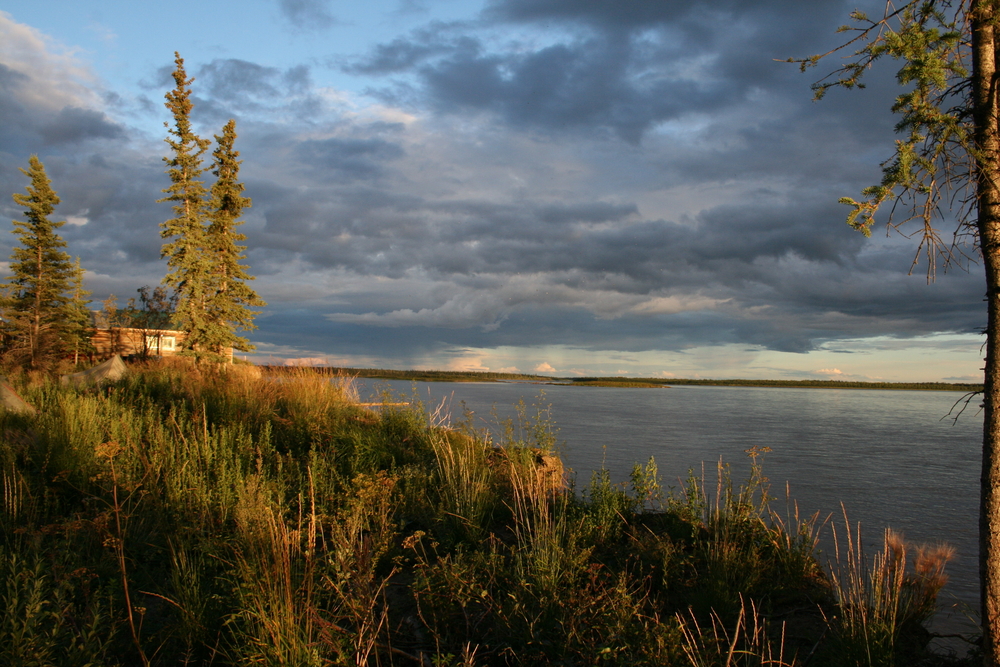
(59, 78)
(79, 219)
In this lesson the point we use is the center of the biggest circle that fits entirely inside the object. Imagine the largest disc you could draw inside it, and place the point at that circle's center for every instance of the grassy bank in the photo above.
(226, 519)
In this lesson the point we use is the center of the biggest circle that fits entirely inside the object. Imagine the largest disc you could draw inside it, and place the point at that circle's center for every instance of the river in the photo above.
(893, 458)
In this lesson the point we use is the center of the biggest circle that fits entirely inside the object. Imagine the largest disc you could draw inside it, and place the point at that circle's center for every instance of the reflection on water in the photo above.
(891, 457)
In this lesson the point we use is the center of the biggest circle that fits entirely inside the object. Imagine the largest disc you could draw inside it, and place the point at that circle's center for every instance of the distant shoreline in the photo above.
(629, 382)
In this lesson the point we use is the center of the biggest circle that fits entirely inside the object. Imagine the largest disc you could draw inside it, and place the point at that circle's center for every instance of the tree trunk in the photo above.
(37, 330)
(984, 45)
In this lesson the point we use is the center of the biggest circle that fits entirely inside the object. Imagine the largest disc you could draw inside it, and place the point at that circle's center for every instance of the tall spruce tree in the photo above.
(78, 325)
(36, 306)
(231, 299)
(188, 262)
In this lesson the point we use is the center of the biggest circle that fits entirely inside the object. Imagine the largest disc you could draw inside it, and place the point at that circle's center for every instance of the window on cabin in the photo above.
(159, 344)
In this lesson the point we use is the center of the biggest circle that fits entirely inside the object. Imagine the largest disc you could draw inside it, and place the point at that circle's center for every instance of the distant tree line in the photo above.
(44, 308)
(432, 376)
(632, 382)
(820, 384)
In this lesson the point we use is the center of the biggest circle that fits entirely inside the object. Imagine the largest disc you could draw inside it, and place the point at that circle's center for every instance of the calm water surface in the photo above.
(892, 458)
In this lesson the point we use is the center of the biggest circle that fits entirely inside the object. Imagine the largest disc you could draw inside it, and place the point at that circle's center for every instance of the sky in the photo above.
(565, 187)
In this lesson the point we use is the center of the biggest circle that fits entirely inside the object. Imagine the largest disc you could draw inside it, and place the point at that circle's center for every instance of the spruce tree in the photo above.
(231, 299)
(148, 317)
(78, 325)
(116, 321)
(189, 265)
(948, 156)
(36, 303)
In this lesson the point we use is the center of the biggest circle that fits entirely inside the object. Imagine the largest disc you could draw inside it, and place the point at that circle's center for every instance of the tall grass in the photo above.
(747, 642)
(882, 602)
(187, 517)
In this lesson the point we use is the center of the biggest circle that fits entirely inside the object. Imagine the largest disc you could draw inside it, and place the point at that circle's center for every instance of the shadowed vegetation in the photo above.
(221, 518)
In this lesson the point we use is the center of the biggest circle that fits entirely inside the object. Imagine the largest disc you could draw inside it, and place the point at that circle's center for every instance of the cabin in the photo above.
(150, 341)
(128, 342)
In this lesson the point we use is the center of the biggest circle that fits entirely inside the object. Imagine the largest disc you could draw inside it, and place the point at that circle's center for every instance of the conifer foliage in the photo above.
(187, 262)
(40, 318)
(203, 258)
(231, 298)
(78, 315)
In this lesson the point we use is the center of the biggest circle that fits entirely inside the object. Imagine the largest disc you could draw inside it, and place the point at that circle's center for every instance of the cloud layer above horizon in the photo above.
(613, 180)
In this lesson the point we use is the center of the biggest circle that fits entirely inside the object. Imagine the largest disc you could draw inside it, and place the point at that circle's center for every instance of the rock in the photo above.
(11, 402)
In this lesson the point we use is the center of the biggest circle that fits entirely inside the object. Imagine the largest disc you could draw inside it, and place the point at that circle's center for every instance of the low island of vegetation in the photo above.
(212, 515)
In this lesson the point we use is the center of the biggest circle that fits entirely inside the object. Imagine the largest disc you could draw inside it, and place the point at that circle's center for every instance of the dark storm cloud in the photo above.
(501, 206)
(73, 124)
(629, 13)
(230, 87)
(307, 14)
(351, 159)
(118, 199)
(589, 212)
(587, 84)
(160, 78)
(782, 269)
(642, 14)
(621, 66)
(725, 241)
(785, 325)
(233, 79)
(814, 277)
(403, 53)
(745, 234)
(15, 115)
(296, 79)
(806, 274)
(11, 80)
(606, 81)
(469, 236)
(462, 238)
(780, 328)
(24, 116)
